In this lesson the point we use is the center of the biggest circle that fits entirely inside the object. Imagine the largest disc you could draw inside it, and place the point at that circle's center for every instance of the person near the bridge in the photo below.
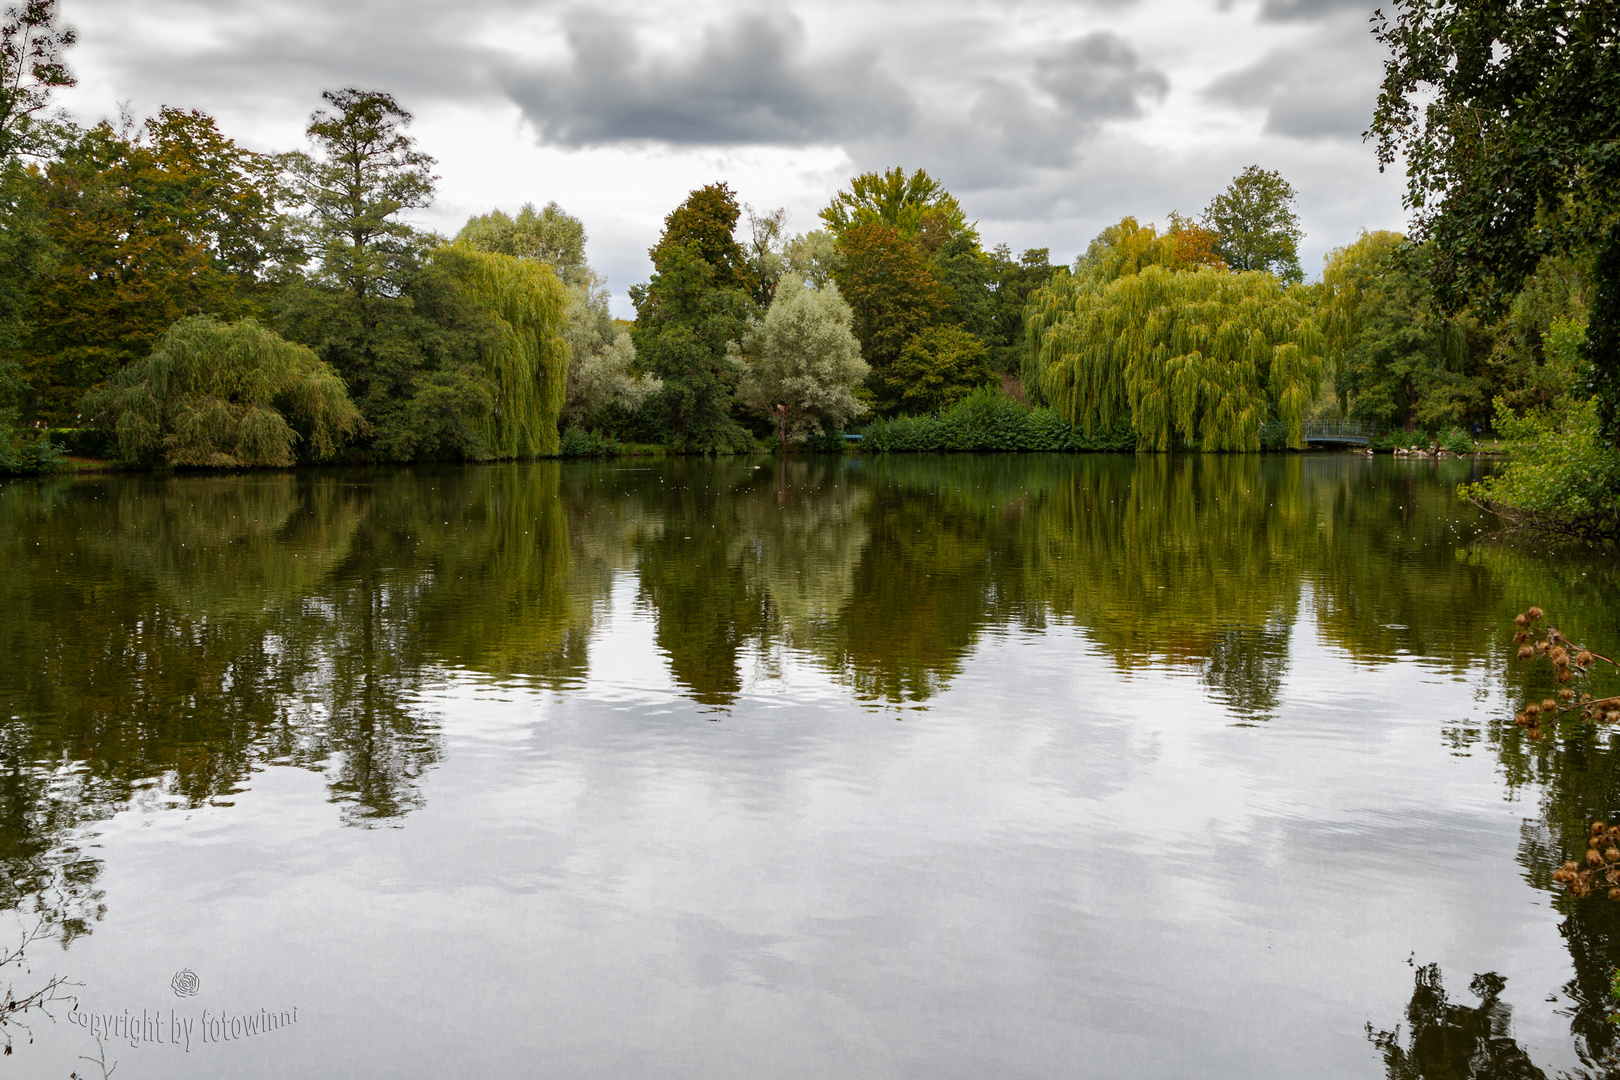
(1477, 429)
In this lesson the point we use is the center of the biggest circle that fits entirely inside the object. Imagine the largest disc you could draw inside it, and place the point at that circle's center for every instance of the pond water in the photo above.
(1090, 766)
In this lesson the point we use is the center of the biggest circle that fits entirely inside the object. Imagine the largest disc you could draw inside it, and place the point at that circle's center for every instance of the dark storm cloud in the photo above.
(1098, 77)
(257, 53)
(1012, 129)
(1323, 92)
(749, 81)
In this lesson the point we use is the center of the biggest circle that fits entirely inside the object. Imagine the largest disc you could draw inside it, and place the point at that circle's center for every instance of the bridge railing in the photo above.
(1276, 432)
(1337, 429)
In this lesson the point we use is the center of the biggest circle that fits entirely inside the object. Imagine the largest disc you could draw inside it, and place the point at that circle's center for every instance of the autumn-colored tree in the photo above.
(1195, 245)
(145, 230)
(888, 284)
(706, 222)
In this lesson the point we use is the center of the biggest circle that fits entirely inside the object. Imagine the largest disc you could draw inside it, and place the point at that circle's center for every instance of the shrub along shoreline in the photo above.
(986, 421)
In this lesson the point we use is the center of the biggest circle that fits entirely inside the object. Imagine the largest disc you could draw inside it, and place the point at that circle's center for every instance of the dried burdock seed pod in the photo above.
(1521, 720)
(1541, 646)
(1526, 652)
(1521, 619)
(1593, 858)
(1580, 888)
(1585, 698)
(1532, 709)
(1597, 827)
(1565, 675)
(1612, 854)
(1584, 658)
(1560, 876)
(1521, 637)
(1533, 733)
(1549, 705)
(1566, 695)
(1535, 613)
(1571, 865)
(1612, 716)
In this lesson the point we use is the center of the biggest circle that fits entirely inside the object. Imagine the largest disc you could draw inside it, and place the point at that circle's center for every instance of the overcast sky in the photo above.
(1047, 119)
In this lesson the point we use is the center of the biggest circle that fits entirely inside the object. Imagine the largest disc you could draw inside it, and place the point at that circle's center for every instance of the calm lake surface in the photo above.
(1091, 766)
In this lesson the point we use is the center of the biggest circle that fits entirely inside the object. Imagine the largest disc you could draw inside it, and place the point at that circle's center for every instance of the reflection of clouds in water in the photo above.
(1066, 841)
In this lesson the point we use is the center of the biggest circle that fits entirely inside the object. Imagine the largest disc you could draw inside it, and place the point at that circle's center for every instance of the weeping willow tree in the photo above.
(1198, 353)
(528, 365)
(225, 395)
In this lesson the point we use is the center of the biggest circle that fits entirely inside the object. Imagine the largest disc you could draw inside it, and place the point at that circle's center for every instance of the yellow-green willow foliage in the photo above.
(1206, 354)
(529, 365)
(225, 395)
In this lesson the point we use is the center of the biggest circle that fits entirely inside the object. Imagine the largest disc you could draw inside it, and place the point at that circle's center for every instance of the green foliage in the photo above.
(551, 236)
(1563, 476)
(1456, 440)
(24, 253)
(1204, 356)
(1507, 117)
(601, 364)
(140, 232)
(815, 257)
(1255, 223)
(706, 223)
(966, 277)
(416, 364)
(577, 442)
(917, 207)
(803, 356)
(225, 395)
(1013, 281)
(892, 292)
(367, 171)
(1525, 372)
(937, 368)
(31, 67)
(989, 420)
(1399, 361)
(528, 362)
(26, 450)
(690, 314)
(766, 252)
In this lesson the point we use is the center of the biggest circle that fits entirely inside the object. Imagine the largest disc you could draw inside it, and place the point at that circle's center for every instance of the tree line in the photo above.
(204, 304)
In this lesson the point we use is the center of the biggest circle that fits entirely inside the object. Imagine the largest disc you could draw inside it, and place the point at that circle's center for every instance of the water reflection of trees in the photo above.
(1445, 1040)
(166, 637)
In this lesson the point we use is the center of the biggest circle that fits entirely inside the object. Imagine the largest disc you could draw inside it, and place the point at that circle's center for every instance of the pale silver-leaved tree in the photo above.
(801, 363)
(601, 368)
